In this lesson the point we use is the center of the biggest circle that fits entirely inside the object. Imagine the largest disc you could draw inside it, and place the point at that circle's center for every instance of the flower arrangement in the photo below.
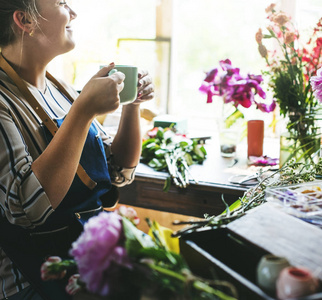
(290, 65)
(235, 88)
(115, 260)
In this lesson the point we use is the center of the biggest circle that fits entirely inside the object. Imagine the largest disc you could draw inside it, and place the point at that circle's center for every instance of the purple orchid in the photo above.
(234, 87)
(266, 107)
(263, 161)
(316, 83)
(99, 253)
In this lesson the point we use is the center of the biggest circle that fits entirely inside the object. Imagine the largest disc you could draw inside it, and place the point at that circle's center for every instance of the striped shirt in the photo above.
(23, 200)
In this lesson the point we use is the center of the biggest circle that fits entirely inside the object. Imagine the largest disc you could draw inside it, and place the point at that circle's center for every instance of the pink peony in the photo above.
(99, 252)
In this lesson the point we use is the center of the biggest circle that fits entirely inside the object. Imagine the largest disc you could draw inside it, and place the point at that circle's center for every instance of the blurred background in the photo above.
(177, 41)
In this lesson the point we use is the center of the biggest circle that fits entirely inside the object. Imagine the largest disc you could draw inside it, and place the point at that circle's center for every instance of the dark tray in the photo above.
(230, 257)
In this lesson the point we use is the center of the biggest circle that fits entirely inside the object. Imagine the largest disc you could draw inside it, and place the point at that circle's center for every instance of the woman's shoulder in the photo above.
(68, 87)
(8, 90)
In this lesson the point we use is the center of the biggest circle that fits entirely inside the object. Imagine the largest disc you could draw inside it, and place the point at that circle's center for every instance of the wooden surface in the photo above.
(283, 235)
(197, 199)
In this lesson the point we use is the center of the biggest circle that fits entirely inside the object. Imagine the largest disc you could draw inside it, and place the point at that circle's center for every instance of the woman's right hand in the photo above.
(101, 94)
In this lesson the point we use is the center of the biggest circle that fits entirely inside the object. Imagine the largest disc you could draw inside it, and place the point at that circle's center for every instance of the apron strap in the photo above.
(48, 122)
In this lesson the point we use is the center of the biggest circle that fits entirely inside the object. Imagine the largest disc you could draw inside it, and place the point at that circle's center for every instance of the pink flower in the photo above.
(270, 8)
(289, 37)
(48, 270)
(99, 253)
(233, 87)
(280, 18)
(262, 161)
(73, 285)
(316, 83)
(259, 36)
(129, 213)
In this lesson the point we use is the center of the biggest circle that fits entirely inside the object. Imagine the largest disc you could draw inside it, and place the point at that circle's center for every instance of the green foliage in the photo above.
(173, 153)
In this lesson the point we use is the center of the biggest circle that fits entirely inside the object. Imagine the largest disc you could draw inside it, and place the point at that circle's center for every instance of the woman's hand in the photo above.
(101, 94)
(145, 88)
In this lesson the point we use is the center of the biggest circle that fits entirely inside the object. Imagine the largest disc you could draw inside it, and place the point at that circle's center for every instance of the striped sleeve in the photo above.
(22, 197)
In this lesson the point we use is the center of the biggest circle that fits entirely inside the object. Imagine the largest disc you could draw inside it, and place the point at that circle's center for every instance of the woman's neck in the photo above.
(28, 66)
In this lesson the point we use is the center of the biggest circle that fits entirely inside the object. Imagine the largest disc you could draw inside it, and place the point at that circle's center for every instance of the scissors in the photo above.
(244, 179)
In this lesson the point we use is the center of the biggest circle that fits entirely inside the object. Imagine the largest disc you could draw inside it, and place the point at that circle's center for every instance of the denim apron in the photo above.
(63, 226)
(28, 249)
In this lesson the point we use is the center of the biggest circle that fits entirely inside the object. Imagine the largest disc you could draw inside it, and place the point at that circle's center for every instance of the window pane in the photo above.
(97, 28)
(206, 32)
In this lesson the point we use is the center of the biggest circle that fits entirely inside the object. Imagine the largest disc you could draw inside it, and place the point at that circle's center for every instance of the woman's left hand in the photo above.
(145, 87)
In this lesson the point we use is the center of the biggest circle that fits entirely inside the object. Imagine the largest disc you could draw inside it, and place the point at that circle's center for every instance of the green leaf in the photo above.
(167, 184)
(183, 144)
(200, 155)
(135, 239)
(175, 261)
(159, 134)
(160, 153)
(147, 142)
(231, 119)
(157, 164)
(233, 206)
(188, 159)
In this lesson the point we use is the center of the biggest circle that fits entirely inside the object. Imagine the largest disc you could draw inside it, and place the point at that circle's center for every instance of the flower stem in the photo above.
(197, 284)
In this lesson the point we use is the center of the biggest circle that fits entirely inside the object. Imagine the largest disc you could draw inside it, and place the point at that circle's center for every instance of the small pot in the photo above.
(268, 271)
(294, 282)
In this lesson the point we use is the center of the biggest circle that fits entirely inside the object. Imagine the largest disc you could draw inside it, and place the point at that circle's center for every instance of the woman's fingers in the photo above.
(146, 91)
(103, 72)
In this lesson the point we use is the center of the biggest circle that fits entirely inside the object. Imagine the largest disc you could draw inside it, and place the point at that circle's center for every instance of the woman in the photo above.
(40, 194)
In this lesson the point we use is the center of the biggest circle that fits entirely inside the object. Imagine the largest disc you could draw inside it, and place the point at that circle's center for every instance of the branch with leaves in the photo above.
(291, 173)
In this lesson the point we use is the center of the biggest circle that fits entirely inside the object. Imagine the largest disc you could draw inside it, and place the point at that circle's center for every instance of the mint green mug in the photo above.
(129, 92)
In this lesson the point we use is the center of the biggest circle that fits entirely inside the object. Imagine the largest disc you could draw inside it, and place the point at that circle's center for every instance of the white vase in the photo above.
(268, 271)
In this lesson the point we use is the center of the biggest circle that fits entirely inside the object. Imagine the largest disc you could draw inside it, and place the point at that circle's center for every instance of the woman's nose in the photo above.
(72, 13)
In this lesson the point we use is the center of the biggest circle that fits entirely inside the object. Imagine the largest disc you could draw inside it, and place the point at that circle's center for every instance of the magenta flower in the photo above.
(266, 107)
(263, 161)
(234, 87)
(99, 253)
(316, 83)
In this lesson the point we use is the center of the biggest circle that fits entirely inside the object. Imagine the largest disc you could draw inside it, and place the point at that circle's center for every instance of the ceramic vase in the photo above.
(255, 137)
(268, 271)
(294, 282)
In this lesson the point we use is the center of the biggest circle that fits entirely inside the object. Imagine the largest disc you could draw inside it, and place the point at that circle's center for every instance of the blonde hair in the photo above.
(7, 8)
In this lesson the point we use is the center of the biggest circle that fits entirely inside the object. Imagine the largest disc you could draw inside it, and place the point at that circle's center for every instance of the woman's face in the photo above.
(54, 25)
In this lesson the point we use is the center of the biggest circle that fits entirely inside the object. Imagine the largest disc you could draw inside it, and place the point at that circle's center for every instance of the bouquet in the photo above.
(236, 89)
(290, 65)
(166, 150)
(115, 260)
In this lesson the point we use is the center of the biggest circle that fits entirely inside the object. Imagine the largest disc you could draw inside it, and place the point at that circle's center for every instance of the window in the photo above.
(197, 34)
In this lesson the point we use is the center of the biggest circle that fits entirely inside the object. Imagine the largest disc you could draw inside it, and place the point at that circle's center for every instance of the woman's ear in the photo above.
(23, 21)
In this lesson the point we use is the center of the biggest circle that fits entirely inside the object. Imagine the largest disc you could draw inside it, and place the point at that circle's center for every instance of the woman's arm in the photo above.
(56, 167)
(126, 146)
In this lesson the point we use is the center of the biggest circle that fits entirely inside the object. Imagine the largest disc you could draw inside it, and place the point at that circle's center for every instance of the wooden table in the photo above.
(197, 199)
